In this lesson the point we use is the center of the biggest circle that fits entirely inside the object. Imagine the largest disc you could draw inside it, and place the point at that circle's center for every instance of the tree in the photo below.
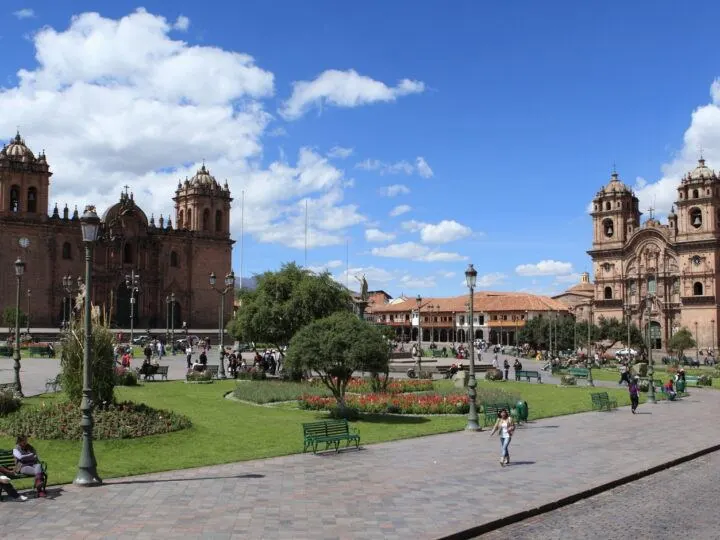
(286, 301)
(336, 346)
(9, 318)
(681, 341)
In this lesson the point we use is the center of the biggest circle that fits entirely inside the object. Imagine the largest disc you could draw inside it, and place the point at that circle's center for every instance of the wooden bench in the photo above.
(212, 369)
(52, 385)
(527, 375)
(579, 373)
(330, 432)
(601, 401)
(8, 461)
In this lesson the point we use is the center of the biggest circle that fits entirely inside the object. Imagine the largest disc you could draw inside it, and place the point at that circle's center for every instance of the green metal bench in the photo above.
(602, 402)
(8, 461)
(579, 373)
(436, 353)
(527, 375)
(491, 411)
(6, 351)
(330, 432)
(38, 350)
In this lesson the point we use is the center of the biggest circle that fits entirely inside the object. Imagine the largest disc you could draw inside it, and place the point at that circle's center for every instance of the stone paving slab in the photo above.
(418, 488)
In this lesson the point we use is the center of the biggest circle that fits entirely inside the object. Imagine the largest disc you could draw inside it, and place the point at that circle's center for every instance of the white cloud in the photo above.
(702, 134)
(394, 190)
(376, 235)
(330, 265)
(26, 13)
(335, 263)
(489, 280)
(111, 101)
(415, 251)
(443, 232)
(400, 210)
(544, 268)
(447, 274)
(417, 282)
(569, 278)
(413, 225)
(399, 167)
(340, 152)
(343, 89)
(423, 169)
(373, 275)
(278, 131)
(182, 23)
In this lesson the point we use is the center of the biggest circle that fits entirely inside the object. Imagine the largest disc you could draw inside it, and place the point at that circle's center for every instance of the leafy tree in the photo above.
(9, 317)
(336, 346)
(284, 302)
(681, 341)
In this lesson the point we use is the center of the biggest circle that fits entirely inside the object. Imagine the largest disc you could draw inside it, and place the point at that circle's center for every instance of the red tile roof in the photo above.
(483, 302)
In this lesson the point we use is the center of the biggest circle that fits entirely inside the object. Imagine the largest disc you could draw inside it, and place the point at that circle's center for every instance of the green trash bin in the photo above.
(522, 410)
(680, 385)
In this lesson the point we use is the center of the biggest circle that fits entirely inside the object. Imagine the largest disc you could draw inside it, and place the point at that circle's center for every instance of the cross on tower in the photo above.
(127, 189)
(651, 211)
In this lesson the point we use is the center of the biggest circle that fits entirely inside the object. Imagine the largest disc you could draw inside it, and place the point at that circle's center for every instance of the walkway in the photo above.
(418, 488)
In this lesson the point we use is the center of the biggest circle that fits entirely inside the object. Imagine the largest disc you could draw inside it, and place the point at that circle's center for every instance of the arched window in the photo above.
(608, 228)
(218, 221)
(67, 251)
(697, 289)
(174, 262)
(206, 220)
(651, 285)
(608, 293)
(695, 194)
(15, 199)
(32, 200)
(127, 254)
(696, 218)
(181, 220)
(607, 205)
(188, 223)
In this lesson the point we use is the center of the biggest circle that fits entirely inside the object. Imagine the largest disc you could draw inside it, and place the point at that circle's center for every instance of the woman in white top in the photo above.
(506, 427)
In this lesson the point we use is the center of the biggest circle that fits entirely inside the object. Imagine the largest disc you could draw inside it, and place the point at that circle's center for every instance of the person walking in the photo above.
(634, 393)
(188, 356)
(506, 368)
(624, 374)
(506, 427)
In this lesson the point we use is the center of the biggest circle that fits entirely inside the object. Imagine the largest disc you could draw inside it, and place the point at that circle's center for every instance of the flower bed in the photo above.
(393, 403)
(394, 386)
(119, 421)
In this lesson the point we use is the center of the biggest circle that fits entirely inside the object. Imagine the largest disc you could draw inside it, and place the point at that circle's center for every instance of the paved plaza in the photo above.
(418, 488)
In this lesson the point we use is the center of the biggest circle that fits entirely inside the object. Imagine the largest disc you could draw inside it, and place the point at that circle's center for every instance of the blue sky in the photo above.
(495, 124)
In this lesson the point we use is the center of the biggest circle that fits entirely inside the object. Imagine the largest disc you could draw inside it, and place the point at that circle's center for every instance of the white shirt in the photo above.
(504, 433)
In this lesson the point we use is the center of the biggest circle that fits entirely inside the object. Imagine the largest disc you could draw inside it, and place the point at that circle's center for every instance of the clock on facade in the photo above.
(696, 260)
(24, 242)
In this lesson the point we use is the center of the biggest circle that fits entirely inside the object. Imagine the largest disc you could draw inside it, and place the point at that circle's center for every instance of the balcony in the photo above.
(698, 300)
(609, 304)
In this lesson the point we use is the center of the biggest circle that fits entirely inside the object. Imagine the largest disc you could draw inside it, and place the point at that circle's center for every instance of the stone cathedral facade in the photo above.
(670, 268)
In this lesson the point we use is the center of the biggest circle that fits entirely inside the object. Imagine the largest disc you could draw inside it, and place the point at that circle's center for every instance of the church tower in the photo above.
(24, 181)
(202, 205)
(615, 214)
(698, 205)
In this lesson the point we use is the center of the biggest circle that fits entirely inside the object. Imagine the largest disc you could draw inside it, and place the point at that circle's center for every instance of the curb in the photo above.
(485, 528)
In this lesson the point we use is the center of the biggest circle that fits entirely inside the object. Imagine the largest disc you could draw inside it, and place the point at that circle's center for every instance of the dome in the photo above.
(702, 171)
(203, 178)
(17, 151)
(615, 185)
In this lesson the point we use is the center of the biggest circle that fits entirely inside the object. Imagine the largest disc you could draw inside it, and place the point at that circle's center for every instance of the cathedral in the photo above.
(172, 262)
(661, 274)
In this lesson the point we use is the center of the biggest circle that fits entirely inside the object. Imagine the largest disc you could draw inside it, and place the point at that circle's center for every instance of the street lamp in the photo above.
(472, 425)
(697, 344)
(19, 271)
(87, 467)
(712, 343)
(418, 358)
(27, 315)
(172, 322)
(589, 362)
(650, 370)
(132, 282)
(229, 282)
(70, 289)
(167, 319)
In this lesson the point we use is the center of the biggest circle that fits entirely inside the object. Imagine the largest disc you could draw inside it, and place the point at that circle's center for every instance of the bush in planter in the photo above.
(494, 375)
(252, 375)
(8, 402)
(568, 380)
(704, 380)
(125, 377)
(198, 376)
(644, 385)
(345, 413)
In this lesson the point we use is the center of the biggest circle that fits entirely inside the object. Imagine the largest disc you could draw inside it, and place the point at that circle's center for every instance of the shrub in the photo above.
(252, 375)
(198, 376)
(102, 361)
(704, 380)
(345, 413)
(115, 421)
(274, 391)
(396, 404)
(494, 375)
(640, 369)
(125, 377)
(394, 386)
(8, 402)
(644, 385)
(568, 380)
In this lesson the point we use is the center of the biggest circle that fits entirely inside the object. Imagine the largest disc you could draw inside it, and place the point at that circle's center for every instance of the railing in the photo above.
(698, 300)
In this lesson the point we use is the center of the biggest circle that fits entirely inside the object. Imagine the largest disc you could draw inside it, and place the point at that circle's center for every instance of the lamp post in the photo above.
(472, 425)
(70, 289)
(87, 467)
(697, 344)
(167, 319)
(712, 343)
(629, 318)
(651, 370)
(19, 271)
(418, 358)
(430, 308)
(27, 315)
(172, 322)
(229, 281)
(132, 281)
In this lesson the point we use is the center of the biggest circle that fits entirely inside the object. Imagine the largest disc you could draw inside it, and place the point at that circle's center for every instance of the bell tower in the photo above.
(24, 181)
(202, 205)
(615, 214)
(698, 204)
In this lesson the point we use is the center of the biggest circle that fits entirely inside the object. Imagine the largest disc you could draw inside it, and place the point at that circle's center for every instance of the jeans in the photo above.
(504, 443)
(7, 486)
(634, 401)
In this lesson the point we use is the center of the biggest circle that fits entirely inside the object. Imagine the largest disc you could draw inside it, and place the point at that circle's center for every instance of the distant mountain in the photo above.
(247, 283)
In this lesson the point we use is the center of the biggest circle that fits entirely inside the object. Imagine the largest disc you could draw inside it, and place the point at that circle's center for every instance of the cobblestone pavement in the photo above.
(416, 488)
(676, 503)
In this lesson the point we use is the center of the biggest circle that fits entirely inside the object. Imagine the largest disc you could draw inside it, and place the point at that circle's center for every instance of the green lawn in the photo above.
(661, 373)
